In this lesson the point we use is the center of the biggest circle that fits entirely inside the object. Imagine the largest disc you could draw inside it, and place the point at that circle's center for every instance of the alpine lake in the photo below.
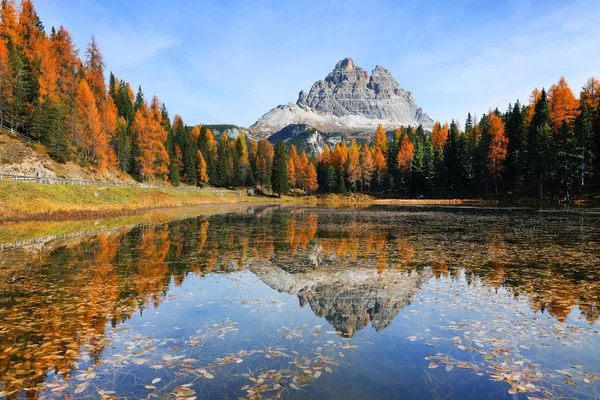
(309, 302)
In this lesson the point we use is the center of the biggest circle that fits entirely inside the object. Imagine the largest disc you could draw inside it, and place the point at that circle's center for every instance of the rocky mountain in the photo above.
(305, 138)
(232, 131)
(348, 100)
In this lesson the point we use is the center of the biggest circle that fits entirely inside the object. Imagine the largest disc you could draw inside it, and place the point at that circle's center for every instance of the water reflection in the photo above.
(352, 267)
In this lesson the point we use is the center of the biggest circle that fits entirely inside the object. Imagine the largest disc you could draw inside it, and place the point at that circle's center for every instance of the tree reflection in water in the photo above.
(354, 267)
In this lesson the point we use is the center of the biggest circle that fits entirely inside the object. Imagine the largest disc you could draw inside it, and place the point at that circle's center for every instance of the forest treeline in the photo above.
(50, 93)
(547, 147)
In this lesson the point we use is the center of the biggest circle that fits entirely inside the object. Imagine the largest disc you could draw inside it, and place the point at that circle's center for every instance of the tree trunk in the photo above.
(540, 186)
(582, 172)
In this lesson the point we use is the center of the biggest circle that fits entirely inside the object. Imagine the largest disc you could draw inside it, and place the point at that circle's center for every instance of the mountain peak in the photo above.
(347, 64)
(349, 100)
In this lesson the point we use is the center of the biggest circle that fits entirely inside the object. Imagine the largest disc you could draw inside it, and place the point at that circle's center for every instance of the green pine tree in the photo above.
(584, 144)
(279, 177)
(540, 143)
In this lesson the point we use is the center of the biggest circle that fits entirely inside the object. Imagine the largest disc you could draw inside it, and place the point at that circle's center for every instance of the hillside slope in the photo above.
(20, 157)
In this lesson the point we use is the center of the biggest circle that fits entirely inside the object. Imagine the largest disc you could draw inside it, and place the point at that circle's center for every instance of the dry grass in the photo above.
(23, 201)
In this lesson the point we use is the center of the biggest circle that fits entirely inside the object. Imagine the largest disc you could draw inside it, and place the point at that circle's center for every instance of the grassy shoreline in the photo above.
(20, 201)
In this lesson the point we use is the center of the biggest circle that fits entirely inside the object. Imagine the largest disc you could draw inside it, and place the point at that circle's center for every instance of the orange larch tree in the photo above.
(301, 169)
(48, 78)
(108, 122)
(439, 135)
(405, 155)
(90, 138)
(8, 16)
(324, 158)
(29, 37)
(159, 138)
(336, 158)
(141, 130)
(195, 134)
(311, 183)
(149, 137)
(380, 167)
(381, 140)
(354, 171)
(202, 170)
(498, 148)
(533, 99)
(291, 173)
(563, 105)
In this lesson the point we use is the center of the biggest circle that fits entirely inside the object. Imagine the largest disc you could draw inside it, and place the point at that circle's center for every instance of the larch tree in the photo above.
(381, 140)
(439, 135)
(159, 138)
(311, 183)
(143, 143)
(90, 138)
(202, 170)
(380, 167)
(291, 172)
(337, 158)
(405, 157)
(301, 170)
(48, 78)
(150, 137)
(8, 24)
(563, 105)
(498, 148)
(354, 171)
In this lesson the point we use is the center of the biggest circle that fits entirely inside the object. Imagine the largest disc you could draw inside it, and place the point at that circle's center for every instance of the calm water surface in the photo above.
(378, 302)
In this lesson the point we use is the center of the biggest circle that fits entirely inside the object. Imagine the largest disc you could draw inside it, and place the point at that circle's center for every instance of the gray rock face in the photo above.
(349, 100)
(305, 138)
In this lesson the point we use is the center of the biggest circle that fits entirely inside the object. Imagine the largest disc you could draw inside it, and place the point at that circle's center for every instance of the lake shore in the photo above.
(20, 201)
(23, 201)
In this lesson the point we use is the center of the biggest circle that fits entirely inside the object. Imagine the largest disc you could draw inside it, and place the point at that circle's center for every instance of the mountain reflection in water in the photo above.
(353, 267)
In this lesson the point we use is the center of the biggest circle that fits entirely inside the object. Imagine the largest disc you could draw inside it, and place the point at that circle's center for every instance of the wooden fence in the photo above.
(82, 182)
(19, 134)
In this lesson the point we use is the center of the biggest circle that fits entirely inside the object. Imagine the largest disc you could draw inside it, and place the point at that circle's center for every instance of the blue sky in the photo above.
(232, 61)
